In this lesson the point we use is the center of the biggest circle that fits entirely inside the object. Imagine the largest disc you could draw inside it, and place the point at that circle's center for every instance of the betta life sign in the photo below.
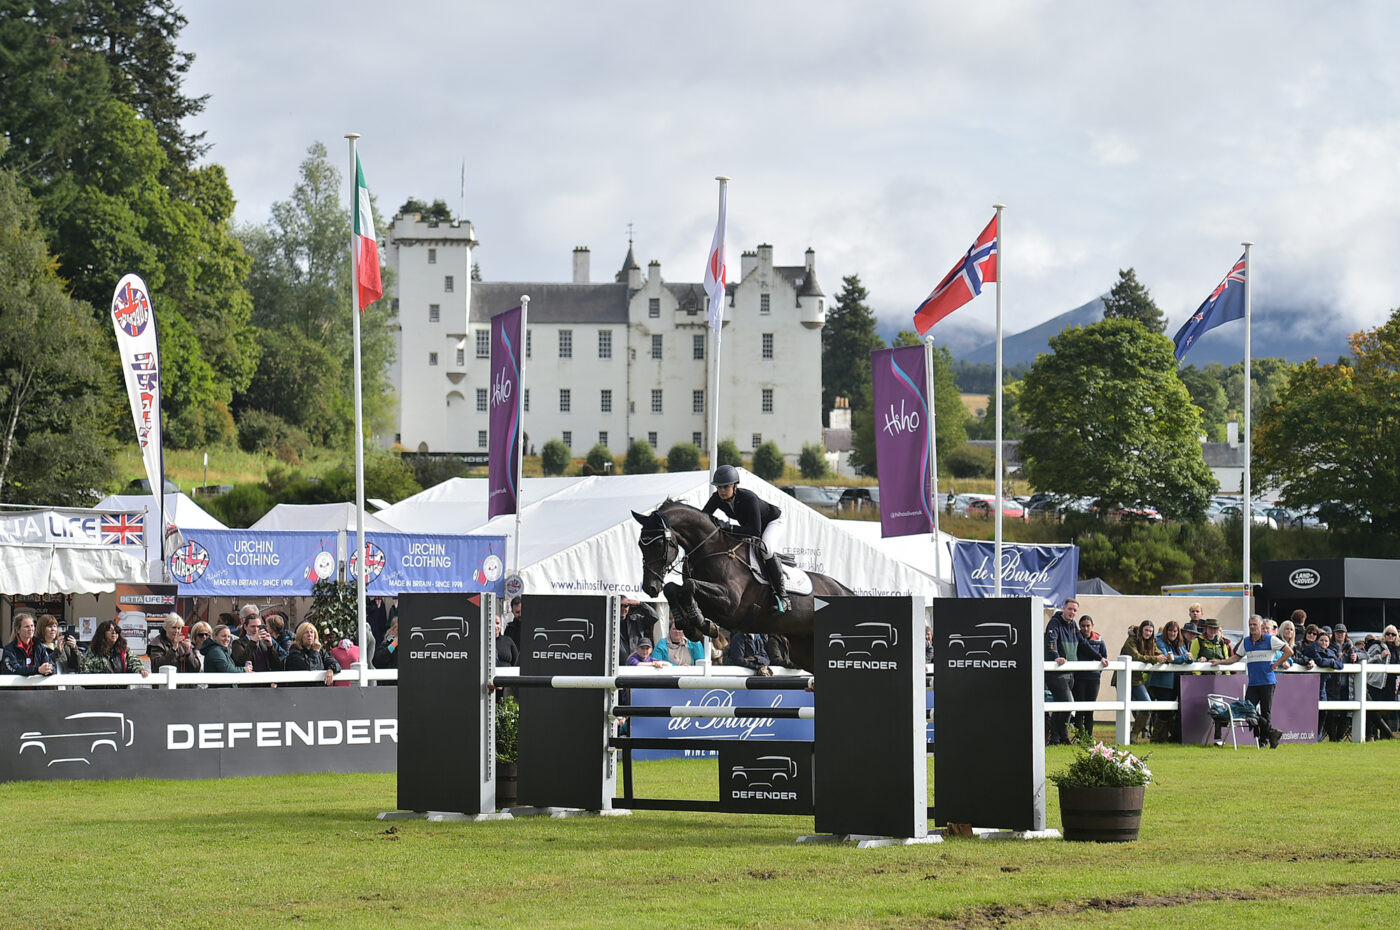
(1047, 572)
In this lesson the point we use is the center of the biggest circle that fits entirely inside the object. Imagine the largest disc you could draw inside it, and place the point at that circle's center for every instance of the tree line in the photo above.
(98, 178)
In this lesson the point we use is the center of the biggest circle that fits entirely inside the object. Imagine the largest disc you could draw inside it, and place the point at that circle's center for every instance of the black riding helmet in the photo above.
(725, 474)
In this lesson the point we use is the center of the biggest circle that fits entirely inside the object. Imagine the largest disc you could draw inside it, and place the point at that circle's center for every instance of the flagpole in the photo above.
(719, 333)
(1247, 511)
(932, 450)
(1001, 265)
(520, 442)
(360, 611)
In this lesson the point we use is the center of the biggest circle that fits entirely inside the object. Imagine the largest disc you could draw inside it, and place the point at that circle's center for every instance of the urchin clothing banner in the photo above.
(134, 320)
(503, 477)
(401, 563)
(901, 440)
(1048, 573)
(252, 562)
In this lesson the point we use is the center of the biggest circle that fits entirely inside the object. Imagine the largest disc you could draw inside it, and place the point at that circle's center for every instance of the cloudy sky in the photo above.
(1151, 135)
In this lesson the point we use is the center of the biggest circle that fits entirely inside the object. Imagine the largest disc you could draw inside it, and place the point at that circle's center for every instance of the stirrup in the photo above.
(781, 604)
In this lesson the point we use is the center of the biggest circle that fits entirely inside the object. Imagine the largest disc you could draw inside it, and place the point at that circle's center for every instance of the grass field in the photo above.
(1300, 836)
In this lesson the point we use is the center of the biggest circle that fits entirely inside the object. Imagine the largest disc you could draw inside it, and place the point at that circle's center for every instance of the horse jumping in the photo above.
(717, 587)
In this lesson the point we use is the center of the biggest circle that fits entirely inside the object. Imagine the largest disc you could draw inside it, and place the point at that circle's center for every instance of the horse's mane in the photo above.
(724, 528)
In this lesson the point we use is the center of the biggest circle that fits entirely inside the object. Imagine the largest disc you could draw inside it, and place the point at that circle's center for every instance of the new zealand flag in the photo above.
(1224, 304)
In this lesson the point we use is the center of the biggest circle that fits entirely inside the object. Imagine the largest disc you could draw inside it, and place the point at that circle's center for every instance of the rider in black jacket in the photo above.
(754, 517)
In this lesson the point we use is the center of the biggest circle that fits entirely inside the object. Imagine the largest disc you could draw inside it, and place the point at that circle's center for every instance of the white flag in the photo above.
(715, 270)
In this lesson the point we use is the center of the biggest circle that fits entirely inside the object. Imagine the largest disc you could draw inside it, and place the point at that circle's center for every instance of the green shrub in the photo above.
(599, 458)
(971, 462)
(812, 461)
(260, 431)
(728, 454)
(641, 459)
(768, 461)
(684, 456)
(554, 457)
(241, 507)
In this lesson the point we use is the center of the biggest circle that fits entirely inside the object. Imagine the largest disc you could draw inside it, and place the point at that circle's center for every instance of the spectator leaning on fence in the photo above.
(1165, 686)
(62, 646)
(171, 647)
(1210, 646)
(1377, 653)
(25, 655)
(306, 654)
(110, 654)
(1062, 643)
(1086, 684)
(1257, 651)
(1141, 645)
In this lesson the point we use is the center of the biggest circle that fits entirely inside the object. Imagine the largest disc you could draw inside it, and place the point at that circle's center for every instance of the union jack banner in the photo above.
(964, 282)
(123, 529)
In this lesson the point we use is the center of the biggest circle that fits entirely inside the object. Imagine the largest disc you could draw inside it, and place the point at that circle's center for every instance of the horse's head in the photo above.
(659, 550)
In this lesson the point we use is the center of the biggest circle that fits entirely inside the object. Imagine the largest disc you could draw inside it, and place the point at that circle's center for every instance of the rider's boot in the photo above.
(774, 570)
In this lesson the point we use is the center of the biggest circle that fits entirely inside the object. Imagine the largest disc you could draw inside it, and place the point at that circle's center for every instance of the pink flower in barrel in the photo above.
(1101, 794)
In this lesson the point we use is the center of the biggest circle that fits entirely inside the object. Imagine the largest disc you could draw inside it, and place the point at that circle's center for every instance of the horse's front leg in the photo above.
(692, 602)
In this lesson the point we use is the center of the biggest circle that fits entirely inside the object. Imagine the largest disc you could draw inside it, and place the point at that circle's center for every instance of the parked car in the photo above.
(859, 498)
(820, 498)
(1009, 508)
(1257, 514)
(962, 501)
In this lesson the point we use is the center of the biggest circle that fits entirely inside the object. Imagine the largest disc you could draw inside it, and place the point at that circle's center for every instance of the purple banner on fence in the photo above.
(503, 475)
(1294, 710)
(901, 440)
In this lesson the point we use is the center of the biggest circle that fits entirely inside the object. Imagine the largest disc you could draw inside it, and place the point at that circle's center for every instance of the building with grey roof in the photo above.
(605, 362)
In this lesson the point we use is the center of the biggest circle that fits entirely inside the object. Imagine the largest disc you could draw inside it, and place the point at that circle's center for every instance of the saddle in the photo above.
(798, 581)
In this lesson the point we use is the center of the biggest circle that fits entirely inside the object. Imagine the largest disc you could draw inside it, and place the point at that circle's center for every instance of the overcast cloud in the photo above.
(1151, 135)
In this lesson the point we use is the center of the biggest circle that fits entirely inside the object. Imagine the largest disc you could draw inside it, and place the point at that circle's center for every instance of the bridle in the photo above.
(671, 554)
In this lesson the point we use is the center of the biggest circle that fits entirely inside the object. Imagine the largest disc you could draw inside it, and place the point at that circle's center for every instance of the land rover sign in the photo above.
(1304, 578)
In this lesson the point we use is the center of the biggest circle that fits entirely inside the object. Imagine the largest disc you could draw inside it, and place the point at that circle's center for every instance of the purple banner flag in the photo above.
(503, 474)
(901, 440)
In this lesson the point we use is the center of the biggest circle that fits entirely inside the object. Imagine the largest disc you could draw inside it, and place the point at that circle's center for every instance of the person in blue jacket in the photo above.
(1086, 684)
(1166, 686)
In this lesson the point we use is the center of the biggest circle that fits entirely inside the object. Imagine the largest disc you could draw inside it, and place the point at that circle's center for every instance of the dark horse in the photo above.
(717, 586)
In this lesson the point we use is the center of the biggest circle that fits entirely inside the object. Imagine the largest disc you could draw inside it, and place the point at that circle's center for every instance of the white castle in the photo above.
(605, 362)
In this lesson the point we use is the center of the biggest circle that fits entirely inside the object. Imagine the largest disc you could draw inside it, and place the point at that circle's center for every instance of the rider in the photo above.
(757, 518)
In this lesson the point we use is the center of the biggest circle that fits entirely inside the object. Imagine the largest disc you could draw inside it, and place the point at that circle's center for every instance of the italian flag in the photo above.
(365, 248)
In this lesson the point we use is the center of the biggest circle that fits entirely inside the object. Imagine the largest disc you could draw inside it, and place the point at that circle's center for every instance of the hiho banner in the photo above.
(134, 320)
(252, 563)
(901, 440)
(1047, 573)
(503, 477)
(414, 563)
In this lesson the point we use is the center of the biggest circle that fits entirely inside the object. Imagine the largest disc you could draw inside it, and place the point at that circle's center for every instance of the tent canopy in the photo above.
(323, 517)
(47, 569)
(577, 535)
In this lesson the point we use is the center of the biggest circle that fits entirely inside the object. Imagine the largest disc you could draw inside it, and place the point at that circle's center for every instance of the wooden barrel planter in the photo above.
(506, 787)
(1101, 815)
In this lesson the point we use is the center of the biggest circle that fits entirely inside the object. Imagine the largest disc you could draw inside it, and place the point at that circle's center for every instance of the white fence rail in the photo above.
(1123, 705)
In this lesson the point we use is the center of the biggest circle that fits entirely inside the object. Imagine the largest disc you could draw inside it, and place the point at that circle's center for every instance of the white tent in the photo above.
(915, 551)
(577, 535)
(323, 517)
(179, 510)
(51, 569)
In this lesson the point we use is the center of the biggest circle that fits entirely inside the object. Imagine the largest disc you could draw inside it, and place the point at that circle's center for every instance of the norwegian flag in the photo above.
(964, 282)
(1224, 304)
(124, 529)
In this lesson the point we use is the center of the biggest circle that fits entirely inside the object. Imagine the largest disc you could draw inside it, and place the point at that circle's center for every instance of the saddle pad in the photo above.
(798, 581)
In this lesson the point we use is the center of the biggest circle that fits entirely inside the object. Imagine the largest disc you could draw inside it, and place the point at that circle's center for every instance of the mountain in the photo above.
(1290, 332)
(959, 338)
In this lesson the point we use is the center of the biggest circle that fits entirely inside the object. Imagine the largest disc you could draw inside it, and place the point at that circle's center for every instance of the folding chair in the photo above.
(1222, 708)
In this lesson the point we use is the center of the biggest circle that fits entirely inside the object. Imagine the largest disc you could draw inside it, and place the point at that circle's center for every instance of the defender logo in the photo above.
(1304, 578)
(865, 638)
(982, 643)
(90, 731)
(438, 633)
(766, 771)
(566, 633)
